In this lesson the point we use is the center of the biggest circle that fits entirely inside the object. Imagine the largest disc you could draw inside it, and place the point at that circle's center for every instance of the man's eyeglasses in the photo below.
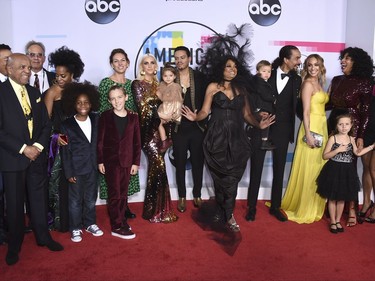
(35, 55)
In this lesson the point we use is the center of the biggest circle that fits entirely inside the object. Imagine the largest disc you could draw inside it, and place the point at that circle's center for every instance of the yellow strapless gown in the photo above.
(301, 202)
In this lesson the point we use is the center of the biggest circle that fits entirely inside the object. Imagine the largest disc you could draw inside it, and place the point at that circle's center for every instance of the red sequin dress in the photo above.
(350, 94)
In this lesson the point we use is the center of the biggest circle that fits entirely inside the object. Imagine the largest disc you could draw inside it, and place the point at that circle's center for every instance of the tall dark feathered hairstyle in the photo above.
(68, 58)
(71, 93)
(235, 46)
(236, 43)
(363, 65)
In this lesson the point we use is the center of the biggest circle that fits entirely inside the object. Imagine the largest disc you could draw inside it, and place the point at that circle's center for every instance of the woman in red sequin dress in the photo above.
(351, 93)
(157, 204)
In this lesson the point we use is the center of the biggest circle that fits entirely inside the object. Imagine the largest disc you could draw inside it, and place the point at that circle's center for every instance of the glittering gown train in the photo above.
(301, 203)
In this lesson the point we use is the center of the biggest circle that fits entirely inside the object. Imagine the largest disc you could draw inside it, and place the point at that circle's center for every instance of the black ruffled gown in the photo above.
(226, 148)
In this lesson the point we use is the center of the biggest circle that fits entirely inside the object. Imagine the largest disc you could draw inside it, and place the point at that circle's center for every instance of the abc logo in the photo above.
(264, 12)
(102, 11)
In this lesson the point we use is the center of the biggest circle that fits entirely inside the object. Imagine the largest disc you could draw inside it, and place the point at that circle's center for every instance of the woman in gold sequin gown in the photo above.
(157, 204)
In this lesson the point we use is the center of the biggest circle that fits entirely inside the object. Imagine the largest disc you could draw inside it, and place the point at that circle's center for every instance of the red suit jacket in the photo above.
(113, 149)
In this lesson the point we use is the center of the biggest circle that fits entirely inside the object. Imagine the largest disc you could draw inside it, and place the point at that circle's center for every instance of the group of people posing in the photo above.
(67, 139)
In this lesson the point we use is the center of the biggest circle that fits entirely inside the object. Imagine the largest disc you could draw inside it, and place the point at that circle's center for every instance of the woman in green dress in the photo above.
(119, 62)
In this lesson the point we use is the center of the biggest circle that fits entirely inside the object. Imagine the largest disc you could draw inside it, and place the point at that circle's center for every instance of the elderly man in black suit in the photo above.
(24, 134)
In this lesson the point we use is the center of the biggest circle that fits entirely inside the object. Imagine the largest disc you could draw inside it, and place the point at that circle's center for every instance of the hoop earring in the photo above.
(143, 73)
(155, 72)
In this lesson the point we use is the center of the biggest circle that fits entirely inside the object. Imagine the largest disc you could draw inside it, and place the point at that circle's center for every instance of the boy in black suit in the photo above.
(79, 156)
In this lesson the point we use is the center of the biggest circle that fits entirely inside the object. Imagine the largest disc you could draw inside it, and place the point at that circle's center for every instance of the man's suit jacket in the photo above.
(295, 80)
(79, 155)
(50, 77)
(115, 150)
(14, 132)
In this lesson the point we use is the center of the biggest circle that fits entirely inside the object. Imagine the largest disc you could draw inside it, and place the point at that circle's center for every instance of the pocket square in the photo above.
(38, 100)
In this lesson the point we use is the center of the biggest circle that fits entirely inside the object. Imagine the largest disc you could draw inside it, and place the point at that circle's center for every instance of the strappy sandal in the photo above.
(333, 230)
(339, 227)
(352, 221)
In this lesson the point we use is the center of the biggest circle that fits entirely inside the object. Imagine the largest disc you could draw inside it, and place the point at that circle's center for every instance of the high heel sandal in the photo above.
(352, 221)
(232, 224)
(362, 215)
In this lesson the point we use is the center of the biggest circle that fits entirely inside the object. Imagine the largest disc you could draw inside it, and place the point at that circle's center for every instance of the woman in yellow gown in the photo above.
(301, 203)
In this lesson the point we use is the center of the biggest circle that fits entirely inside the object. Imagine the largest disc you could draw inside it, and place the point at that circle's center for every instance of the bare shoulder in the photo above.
(53, 93)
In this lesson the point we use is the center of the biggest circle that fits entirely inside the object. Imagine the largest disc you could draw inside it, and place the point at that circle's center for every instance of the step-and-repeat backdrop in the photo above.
(94, 27)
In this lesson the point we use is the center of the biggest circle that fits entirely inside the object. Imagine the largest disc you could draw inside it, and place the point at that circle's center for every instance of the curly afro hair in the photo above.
(71, 93)
(68, 58)
(363, 65)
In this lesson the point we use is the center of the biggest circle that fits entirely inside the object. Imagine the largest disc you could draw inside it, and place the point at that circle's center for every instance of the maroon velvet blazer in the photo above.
(114, 150)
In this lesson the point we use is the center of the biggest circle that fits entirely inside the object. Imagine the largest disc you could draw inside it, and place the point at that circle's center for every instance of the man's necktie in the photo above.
(27, 110)
(36, 82)
(283, 75)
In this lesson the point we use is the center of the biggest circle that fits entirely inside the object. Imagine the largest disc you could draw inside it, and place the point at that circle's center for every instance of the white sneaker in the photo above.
(94, 230)
(76, 235)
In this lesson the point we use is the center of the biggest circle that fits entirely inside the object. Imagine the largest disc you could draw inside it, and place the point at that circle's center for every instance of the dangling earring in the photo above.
(155, 72)
(143, 73)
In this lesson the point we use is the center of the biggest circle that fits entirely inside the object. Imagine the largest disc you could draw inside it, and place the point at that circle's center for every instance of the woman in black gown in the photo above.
(226, 146)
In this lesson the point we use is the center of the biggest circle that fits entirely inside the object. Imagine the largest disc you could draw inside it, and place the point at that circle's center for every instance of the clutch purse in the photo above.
(318, 138)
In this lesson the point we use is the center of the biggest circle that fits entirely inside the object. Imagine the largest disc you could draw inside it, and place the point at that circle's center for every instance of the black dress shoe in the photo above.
(278, 214)
(53, 246)
(11, 258)
(129, 214)
(28, 229)
(250, 216)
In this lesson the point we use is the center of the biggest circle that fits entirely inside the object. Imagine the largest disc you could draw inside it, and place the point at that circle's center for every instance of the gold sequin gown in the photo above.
(157, 204)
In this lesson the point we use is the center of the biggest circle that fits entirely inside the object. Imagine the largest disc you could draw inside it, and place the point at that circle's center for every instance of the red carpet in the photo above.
(266, 249)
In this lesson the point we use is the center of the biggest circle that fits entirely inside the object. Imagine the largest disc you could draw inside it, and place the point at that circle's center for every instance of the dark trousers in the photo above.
(2, 211)
(82, 200)
(117, 179)
(189, 138)
(33, 179)
(280, 134)
(225, 196)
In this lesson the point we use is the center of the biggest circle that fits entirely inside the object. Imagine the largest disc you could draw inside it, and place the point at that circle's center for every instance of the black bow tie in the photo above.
(283, 75)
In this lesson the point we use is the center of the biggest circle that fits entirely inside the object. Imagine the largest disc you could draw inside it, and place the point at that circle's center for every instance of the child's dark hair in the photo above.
(71, 93)
(345, 115)
(117, 87)
(169, 67)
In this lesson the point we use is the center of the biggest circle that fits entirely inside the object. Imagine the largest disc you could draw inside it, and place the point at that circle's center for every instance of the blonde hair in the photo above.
(322, 74)
(140, 74)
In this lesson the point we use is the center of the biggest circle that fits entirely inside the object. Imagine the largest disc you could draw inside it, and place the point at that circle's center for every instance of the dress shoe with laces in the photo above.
(181, 206)
(129, 214)
(278, 214)
(197, 202)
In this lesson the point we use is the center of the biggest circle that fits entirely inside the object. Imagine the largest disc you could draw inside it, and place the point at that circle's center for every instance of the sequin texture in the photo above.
(157, 204)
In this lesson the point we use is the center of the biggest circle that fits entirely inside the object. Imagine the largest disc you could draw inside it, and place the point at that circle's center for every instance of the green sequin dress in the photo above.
(104, 87)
